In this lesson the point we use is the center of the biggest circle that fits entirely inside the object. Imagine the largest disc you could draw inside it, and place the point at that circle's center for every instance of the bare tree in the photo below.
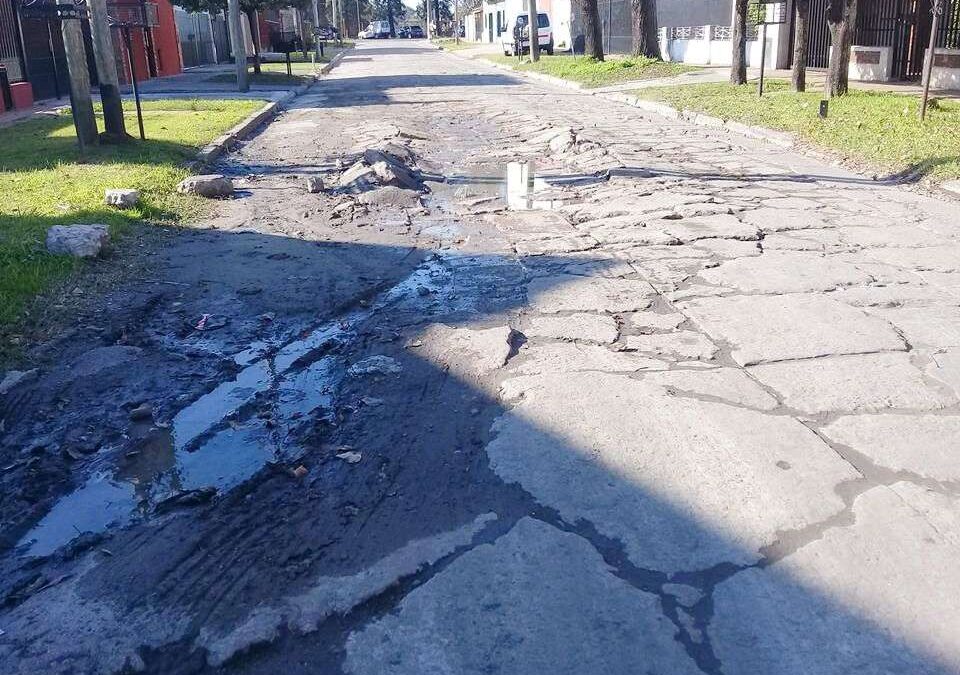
(801, 39)
(592, 29)
(842, 20)
(646, 38)
(738, 67)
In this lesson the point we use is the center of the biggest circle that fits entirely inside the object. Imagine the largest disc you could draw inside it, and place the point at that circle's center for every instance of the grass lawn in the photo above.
(276, 73)
(451, 45)
(591, 73)
(44, 182)
(879, 128)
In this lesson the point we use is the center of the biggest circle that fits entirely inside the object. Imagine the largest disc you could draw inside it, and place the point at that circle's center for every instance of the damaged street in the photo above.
(476, 374)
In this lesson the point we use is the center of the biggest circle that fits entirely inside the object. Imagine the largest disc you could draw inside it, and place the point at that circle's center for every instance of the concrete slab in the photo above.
(785, 272)
(475, 616)
(568, 357)
(925, 445)
(655, 471)
(859, 383)
(775, 328)
(878, 596)
(570, 293)
(576, 327)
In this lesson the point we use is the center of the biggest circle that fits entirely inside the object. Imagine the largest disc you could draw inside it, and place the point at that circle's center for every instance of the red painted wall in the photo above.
(166, 43)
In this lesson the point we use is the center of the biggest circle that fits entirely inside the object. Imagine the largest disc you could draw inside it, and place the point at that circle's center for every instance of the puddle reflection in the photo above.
(525, 190)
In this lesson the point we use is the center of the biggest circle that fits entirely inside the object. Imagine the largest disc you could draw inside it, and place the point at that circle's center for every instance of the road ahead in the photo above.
(615, 395)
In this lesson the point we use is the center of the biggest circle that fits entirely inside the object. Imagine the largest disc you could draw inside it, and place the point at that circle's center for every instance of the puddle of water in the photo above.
(200, 449)
(524, 189)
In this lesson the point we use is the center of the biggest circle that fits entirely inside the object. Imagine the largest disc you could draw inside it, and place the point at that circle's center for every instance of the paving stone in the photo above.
(681, 345)
(466, 352)
(651, 321)
(933, 258)
(588, 327)
(774, 328)
(570, 293)
(729, 248)
(784, 273)
(555, 245)
(925, 445)
(935, 326)
(945, 367)
(99, 359)
(798, 203)
(567, 357)
(655, 471)
(899, 235)
(878, 596)
(859, 383)
(780, 220)
(727, 385)
(587, 619)
(708, 227)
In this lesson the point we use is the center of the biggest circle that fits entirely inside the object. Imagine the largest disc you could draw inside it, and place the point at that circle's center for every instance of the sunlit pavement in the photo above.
(623, 395)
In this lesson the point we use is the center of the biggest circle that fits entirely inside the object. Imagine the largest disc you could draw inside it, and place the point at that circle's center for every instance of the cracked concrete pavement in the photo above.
(612, 393)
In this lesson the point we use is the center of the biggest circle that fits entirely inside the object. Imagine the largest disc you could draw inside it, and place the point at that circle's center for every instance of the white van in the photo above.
(376, 29)
(544, 34)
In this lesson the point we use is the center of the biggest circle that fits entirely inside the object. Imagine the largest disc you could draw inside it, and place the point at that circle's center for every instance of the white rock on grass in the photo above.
(80, 241)
(207, 185)
(122, 199)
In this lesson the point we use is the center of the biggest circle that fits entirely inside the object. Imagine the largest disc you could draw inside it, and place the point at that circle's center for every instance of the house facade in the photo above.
(494, 17)
(32, 48)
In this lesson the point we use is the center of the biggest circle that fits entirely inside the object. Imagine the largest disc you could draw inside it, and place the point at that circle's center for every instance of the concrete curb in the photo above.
(951, 188)
(778, 138)
(216, 148)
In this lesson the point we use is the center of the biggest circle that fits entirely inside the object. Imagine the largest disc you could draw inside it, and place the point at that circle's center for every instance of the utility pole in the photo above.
(533, 26)
(928, 66)
(80, 102)
(429, 32)
(239, 44)
(106, 71)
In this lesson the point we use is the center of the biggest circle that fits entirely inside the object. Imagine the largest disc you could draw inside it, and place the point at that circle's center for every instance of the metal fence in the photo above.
(202, 38)
(616, 25)
(9, 36)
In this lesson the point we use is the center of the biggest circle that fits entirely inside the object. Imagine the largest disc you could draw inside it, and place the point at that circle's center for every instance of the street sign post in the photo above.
(767, 13)
(127, 18)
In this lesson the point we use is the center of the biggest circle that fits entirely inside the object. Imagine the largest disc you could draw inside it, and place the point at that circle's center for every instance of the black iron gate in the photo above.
(902, 25)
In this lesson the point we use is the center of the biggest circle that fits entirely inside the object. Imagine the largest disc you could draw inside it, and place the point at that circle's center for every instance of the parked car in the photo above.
(519, 24)
(416, 32)
(326, 33)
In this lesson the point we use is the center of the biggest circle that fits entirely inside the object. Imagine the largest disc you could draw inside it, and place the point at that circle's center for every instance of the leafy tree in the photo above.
(646, 37)
(391, 11)
(440, 9)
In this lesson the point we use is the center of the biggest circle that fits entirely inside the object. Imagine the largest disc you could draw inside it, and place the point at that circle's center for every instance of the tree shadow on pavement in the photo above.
(285, 571)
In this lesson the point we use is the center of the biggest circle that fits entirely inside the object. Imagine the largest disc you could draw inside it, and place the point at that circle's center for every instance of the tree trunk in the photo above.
(842, 20)
(738, 67)
(801, 38)
(592, 29)
(533, 24)
(646, 35)
(254, 21)
(390, 20)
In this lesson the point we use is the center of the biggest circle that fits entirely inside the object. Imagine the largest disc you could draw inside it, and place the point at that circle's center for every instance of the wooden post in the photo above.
(429, 32)
(81, 103)
(238, 43)
(533, 25)
(106, 71)
(928, 66)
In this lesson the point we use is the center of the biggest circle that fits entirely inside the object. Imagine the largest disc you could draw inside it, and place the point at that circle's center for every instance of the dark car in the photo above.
(403, 32)
(326, 33)
(415, 32)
